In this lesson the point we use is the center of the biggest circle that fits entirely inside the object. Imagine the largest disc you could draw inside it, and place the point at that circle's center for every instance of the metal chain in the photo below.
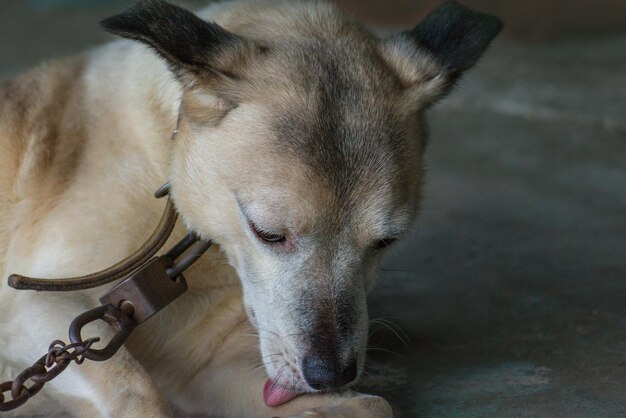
(49, 366)
(148, 290)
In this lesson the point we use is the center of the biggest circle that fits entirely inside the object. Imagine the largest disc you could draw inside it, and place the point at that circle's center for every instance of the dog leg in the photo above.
(118, 387)
(231, 385)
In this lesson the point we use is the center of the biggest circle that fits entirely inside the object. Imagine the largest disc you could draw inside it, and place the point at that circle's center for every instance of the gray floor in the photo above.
(511, 292)
(512, 288)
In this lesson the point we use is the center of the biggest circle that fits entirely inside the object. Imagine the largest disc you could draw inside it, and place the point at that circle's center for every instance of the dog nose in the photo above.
(323, 373)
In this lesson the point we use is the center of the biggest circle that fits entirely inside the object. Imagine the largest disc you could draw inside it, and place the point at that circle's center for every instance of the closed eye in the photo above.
(266, 235)
(381, 244)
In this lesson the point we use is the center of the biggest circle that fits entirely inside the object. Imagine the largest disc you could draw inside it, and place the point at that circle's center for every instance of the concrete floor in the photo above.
(512, 288)
(511, 292)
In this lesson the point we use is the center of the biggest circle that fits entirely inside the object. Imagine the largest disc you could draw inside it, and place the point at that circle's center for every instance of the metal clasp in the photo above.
(147, 291)
(119, 320)
(158, 282)
(141, 295)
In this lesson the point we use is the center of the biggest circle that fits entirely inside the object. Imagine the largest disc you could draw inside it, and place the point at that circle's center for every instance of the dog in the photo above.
(292, 137)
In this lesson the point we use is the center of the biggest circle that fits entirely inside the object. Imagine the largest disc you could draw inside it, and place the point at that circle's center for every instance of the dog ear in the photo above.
(191, 46)
(446, 43)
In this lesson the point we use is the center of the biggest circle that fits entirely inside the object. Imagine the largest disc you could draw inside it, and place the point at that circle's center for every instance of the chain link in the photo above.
(49, 366)
(149, 289)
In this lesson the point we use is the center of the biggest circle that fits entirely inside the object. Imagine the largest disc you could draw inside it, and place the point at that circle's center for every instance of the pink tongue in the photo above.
(274, 394)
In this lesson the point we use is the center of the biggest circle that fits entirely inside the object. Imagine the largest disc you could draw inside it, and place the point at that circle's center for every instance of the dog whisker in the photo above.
(369, 375)
(263, 364)
(270, 332)
(261, 360)
(394, 328)
(384, 350)
(278, 375)
(247, 335)
(296, 334)
(269, 355)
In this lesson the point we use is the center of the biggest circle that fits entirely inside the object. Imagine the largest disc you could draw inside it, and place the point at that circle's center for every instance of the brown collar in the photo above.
(116, 271)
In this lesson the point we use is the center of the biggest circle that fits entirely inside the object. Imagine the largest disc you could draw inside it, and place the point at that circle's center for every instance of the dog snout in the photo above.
(332, 340)
(324, 373)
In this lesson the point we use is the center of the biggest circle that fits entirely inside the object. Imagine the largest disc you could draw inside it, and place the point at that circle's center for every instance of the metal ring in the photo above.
(18, 387)
(16, 402)
(186, 260)
(48, 375)
(116, 318)
(182, 246)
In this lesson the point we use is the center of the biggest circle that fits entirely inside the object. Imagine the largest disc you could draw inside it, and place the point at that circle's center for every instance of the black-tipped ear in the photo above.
(456, 35)
(188, 43)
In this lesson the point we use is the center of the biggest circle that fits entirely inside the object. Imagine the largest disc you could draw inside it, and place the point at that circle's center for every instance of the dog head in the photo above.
(299, 152)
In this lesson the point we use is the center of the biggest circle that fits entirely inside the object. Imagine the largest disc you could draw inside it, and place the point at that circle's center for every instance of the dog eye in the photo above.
(383, 243)
(267, 236)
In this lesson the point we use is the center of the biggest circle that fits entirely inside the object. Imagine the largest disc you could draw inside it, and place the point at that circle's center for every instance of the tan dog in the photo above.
(298, 149)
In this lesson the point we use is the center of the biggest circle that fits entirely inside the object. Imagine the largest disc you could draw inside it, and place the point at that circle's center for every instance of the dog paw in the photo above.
(362, 406)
